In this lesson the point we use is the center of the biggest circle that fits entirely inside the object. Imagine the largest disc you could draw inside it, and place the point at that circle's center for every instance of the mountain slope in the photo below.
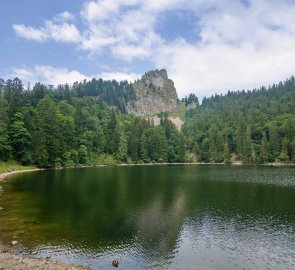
(252, 126)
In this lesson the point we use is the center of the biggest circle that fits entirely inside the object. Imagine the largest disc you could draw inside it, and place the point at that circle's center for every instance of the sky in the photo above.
(206, 46)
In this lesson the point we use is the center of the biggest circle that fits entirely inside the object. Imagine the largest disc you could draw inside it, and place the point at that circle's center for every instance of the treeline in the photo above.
(113, 93)
(62, 126)
(87, 123)
(252, 126)
(190, 99)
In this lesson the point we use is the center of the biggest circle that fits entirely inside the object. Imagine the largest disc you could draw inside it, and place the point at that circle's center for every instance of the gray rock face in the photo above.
(155, 93)
(191, 105)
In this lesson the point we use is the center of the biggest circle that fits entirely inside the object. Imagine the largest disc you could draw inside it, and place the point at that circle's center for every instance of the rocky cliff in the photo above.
(155, 93)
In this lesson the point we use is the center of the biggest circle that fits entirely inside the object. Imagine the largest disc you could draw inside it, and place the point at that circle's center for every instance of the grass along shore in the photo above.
(12, 165)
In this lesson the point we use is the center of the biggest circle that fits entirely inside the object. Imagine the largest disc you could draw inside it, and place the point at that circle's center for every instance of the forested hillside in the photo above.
(87, 123)
(252, 126)
(81, 124)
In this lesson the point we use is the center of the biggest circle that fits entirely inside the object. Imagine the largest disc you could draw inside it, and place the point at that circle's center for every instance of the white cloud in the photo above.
(119, 76)
(217, 68)
(61, 32)
(239, 45)
(125, 27)
(29, 33)
(241, 48)
(52, 75)
(129, 52)
(100, 10)
(48, 75)
(64, 16)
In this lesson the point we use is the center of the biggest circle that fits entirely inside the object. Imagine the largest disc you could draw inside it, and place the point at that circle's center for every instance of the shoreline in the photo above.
(10, 261)
(4, 175)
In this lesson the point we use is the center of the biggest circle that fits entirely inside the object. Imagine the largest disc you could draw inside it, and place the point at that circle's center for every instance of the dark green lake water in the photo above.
(155, 217)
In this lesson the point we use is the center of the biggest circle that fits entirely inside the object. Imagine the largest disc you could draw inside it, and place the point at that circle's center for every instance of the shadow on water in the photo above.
(178, 217)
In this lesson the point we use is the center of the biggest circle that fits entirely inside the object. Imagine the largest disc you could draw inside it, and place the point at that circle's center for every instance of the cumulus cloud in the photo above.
(52, 75)
(48, 75)
(237, 44)
(29, 32)
(119, 76)
(125, 27)
(217, 68)
(64, 16)
(60, 32)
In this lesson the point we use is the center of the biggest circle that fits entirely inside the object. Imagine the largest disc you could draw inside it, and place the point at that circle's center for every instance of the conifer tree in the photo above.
(247, 146)
(264, 149)
(284, 152)
(82, 154)
(144, 148)
(20, 139)
(274, 142)
(181, 149)
(47, 135)
(122, 148)
(226, 153)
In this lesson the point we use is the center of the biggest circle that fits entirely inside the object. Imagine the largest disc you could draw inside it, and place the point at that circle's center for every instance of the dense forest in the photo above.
(87, 123)
(82, 124)
(251, 126)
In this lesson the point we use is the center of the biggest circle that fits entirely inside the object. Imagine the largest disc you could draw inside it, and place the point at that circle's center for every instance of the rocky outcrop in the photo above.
(174, 119)
(191, 106)
(155, 93)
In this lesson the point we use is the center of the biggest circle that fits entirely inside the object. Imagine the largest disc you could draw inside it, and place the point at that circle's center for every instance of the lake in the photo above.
(154, 217)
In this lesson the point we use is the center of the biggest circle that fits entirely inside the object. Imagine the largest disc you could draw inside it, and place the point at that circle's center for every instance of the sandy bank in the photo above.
(4, 175)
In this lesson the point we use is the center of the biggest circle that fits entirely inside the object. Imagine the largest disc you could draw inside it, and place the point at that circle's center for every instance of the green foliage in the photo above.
(5, 148)
(179, 111)
(264, 150)
(47, 136)
(82, 154)
(112, 92)
(226, 153)
(191, 99)
(253, 124)
(87, 123)
(122, 148)
(3, 115)
(9, 165)
(284, 152)
(20, 139)
(13, 93)
(274, 142)
(180, 149)
(154, 145)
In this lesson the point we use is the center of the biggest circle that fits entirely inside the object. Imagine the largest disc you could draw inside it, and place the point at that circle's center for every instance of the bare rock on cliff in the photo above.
(191, 106)
(155, 93)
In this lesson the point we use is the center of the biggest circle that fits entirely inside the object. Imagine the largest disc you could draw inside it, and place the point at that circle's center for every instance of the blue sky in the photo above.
(206, 46)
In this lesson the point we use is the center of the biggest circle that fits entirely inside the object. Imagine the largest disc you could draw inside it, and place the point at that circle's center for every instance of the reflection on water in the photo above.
(168, 217)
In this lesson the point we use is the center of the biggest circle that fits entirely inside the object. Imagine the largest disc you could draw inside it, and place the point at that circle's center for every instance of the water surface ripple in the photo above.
(155, 217)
